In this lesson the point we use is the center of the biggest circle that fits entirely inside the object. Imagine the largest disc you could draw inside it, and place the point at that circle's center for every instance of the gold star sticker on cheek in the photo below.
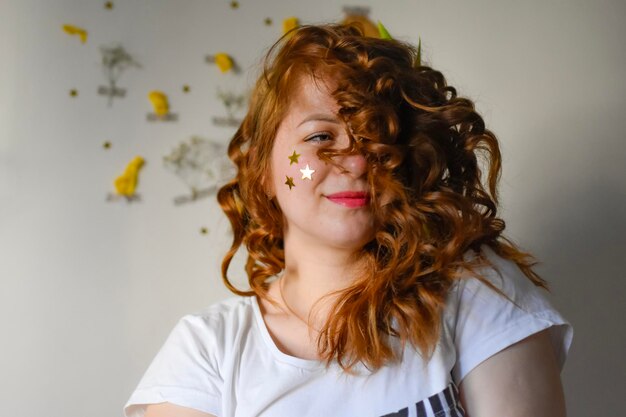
(307, 172)
(293, 159)
(289, 182)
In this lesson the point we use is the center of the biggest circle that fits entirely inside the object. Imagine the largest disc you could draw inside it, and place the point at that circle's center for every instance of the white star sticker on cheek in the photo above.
(307, 172)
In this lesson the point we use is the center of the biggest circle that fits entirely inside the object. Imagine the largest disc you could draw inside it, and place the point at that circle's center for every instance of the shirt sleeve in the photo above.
(185, 372)
(484, 322)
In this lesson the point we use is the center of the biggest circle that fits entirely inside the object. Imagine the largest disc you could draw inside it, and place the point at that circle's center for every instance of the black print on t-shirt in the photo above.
(443, 404)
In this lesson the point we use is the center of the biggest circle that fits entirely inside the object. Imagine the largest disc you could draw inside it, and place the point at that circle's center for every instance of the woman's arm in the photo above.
(172, 410)
(520, 381)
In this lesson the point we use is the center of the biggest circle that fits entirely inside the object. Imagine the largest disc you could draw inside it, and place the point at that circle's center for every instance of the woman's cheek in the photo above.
(299, 170)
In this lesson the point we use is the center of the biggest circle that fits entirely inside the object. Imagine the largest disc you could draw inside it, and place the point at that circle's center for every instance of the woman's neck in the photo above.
(312, 272)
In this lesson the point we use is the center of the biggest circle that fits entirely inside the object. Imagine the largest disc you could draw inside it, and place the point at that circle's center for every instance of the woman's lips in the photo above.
(350, 199)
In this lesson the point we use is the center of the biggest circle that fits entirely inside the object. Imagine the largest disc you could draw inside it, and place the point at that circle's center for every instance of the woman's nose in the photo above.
(354, 165)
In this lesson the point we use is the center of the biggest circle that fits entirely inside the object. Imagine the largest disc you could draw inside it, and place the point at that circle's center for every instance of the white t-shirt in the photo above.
(223, 360)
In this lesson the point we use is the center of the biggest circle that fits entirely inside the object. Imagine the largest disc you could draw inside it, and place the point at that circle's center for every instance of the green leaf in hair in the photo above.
(419, 52)
(382, 31)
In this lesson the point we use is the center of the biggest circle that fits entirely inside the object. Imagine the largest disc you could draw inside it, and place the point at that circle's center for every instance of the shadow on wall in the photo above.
(581, 237)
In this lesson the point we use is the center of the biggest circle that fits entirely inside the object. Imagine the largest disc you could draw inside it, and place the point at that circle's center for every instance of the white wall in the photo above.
(90, 289)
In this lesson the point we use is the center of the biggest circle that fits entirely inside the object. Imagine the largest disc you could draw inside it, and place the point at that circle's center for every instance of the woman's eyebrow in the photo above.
(320, 117)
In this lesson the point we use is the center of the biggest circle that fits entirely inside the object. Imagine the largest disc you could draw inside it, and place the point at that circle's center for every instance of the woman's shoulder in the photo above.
(203, 336)
(225, 307)
(500, 279)
(484, 316)
(189, 368)
(219, 316)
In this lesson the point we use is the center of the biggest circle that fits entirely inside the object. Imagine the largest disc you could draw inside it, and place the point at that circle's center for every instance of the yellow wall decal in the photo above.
(161, 107)
(223, 61)
(159, 103)
(290, 23)
(76, 31)
(126, 184)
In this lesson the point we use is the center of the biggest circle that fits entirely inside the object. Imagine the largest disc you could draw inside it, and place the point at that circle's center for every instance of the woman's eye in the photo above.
(319, 137)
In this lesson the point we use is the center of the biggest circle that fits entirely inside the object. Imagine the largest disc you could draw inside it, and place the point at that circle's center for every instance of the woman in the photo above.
(380, 282)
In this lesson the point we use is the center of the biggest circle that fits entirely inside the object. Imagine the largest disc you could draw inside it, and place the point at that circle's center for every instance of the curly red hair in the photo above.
(433, 168)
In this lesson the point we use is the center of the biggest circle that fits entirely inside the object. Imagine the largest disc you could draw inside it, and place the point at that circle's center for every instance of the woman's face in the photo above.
(322, 203)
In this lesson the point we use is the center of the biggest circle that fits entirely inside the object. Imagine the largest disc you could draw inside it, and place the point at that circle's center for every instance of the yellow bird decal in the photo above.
(75, 30)
(159, 103)
(223, 61)
(126, 183)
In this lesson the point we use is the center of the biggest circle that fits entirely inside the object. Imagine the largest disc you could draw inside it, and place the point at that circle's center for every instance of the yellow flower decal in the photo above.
(126, 183)
(290, 23)
(159, 103)
(76, 31)
(224, 62)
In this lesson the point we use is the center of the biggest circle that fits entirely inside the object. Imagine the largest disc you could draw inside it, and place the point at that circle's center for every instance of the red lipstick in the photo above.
(351, 199)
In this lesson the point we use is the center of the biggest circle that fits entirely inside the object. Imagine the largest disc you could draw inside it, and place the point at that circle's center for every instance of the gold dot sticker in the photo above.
(186, 88)
(106, 145)
(108, 5)
(268, 21)
(234, 4)
(73, 92)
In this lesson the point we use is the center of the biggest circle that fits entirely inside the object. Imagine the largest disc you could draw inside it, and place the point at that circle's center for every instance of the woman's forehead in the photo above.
(312, 96)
